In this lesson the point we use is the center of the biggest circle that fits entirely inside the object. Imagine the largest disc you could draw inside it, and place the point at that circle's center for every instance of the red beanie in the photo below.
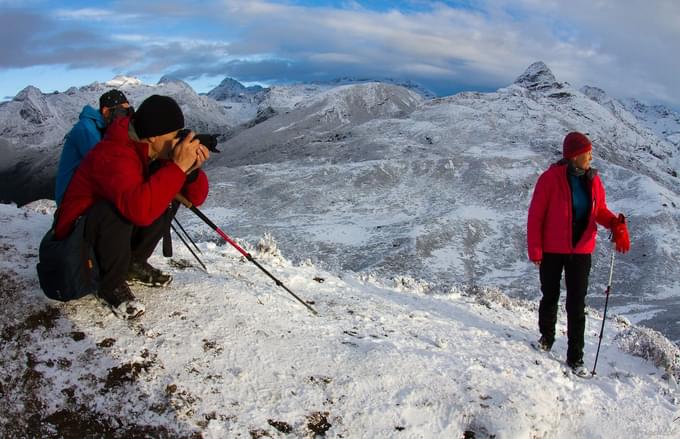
(575, 144)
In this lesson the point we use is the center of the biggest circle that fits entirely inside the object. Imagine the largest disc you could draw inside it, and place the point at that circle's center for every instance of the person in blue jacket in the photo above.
(86, 133)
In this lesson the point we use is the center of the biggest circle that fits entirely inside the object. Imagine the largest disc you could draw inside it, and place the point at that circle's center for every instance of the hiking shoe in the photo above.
(143, 273)
(578, 368)
(122, 302)
(543, 344)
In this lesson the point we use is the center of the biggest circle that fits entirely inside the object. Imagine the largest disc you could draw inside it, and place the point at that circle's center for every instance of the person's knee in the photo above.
(103, 219)
(576, 309)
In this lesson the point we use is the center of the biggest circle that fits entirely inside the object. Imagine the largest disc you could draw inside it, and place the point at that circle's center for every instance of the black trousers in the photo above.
(117, 242)
(576, 272)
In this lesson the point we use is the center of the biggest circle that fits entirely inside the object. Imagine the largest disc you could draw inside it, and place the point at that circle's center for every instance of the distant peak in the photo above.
(537, 76)
(121, 80)
(232, 83)
(167, 79)
(29, 92)
(232, 89)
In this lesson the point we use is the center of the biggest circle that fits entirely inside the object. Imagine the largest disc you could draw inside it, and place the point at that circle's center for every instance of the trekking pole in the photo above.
(606, 302)
(189, 248)
(247, 255)
(187, 235)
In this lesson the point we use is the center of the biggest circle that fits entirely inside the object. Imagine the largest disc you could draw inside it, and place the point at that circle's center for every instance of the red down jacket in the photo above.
(550, 215)
(117, 170)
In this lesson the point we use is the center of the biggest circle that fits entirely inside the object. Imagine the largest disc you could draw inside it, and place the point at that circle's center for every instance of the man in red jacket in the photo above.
(123, 202)
(567, 204)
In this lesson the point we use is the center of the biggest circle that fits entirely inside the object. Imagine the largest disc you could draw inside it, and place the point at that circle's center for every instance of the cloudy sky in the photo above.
(627, 47)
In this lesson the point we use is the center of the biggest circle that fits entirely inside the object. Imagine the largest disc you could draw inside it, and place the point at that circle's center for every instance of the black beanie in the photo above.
(156, 116)
(112, 98)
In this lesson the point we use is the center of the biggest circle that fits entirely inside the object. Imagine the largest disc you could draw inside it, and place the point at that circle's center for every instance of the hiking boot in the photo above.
(122, 302)
(543, 344)
(578, 368)
(143, 273)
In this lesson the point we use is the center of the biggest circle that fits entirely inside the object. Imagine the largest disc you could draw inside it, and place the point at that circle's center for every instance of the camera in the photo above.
(207, 140)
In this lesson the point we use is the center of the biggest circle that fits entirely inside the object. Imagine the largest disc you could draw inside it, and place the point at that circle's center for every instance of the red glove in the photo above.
(620, 234)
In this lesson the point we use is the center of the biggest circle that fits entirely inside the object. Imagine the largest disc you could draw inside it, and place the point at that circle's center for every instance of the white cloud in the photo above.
(425, 70)
(92, 14)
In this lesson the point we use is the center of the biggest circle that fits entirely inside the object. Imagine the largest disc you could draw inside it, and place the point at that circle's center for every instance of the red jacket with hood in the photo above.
(549, 226)
(117, 170)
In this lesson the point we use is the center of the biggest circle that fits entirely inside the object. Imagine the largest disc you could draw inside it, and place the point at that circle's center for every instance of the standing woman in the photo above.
(568, 203)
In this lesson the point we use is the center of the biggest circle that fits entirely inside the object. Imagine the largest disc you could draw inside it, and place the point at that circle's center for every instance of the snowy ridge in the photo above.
(309, 128)
(411, 85)
(286, 97)
(247, 104)
(228, 354)
(356, 104)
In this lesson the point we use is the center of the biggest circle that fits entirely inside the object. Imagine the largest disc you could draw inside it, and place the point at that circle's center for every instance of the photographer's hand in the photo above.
(202, 154)
(187, 152)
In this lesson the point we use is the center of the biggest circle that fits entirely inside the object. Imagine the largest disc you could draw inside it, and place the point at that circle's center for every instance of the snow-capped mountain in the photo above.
(538, 77)
(246, 105)
(411, 85)
(233, 91)
(122, 81)
(312, 130)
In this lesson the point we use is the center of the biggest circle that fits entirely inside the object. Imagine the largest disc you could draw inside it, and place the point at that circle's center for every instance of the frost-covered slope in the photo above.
(662, 120)
(228, 354)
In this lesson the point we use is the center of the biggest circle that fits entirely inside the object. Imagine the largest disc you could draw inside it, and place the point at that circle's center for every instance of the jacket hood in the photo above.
(90, 112)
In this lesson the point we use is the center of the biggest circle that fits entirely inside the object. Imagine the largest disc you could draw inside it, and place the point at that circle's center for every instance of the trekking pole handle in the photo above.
(182, 199)
(611, 267)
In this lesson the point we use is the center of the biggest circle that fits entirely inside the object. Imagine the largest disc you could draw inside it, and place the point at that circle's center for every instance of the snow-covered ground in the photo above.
(229, 354)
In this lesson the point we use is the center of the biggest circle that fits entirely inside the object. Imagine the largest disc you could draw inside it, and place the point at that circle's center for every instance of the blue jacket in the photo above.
(82, 137)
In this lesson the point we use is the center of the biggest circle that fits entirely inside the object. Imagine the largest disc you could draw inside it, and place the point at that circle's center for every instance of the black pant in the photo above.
(117, 242)
(576, 272)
